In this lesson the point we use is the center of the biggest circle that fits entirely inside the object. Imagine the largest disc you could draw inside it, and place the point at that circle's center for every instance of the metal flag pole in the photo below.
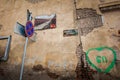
(23, 59)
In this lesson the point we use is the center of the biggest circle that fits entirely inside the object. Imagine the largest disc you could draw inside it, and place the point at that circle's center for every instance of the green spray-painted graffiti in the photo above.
(101, 59)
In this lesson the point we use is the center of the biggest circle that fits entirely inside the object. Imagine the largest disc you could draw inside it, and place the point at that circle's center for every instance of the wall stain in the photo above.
(1, 26)
(52, 75)
(2, 51)
(38, 68)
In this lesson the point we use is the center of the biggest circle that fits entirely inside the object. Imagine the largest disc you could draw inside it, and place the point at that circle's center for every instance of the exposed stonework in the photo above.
(83, 71)
(51, 49)
(85, 13)
(98, 38)
(88, 19)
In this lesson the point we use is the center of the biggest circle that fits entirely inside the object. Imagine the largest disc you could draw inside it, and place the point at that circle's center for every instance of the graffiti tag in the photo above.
(101, 59)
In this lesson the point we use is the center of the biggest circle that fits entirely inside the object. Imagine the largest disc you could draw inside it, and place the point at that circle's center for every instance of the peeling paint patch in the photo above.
(88, 19)
(83, 71)
(85, 13)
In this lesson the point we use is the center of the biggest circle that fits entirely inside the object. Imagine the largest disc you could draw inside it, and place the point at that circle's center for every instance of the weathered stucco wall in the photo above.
(51, 49)
(106, 35)
(54, 52)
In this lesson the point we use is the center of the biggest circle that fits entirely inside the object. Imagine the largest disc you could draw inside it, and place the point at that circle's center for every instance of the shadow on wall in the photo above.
(37, 72)
(8, 72)
(2, 51)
